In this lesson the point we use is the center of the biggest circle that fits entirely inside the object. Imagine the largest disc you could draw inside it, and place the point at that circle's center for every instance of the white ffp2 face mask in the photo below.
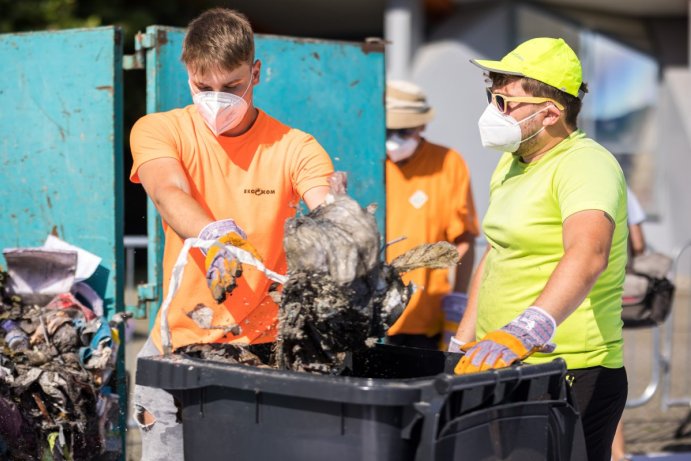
(221, 111)
(399, 148)
(502, 132)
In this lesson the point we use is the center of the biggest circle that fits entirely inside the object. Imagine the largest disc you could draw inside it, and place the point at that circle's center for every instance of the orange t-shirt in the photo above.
(257, 179)
(428, 199)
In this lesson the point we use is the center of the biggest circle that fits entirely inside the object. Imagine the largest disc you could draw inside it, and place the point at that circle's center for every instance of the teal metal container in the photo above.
(61, 147)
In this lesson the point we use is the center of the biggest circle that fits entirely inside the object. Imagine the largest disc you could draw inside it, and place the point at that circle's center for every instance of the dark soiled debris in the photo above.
(203, 317)
(52, 400)
(340, 295)
(259, 355)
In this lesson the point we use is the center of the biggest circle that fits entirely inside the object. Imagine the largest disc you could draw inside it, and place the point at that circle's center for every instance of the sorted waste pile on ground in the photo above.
(56, 368)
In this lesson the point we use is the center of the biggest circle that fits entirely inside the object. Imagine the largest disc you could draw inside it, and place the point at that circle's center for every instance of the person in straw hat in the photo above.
(428, 199)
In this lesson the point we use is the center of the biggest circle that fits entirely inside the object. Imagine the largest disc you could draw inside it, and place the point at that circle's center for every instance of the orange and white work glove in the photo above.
(222, 268)
(530, 332)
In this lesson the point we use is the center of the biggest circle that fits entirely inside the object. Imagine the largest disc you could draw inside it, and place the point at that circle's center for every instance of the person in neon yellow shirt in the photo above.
(550, 282)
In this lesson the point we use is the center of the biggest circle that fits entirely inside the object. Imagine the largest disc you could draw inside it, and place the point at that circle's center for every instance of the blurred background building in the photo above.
(635, 55)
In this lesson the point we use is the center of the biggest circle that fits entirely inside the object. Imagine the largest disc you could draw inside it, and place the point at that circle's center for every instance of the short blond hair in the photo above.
(218, 39)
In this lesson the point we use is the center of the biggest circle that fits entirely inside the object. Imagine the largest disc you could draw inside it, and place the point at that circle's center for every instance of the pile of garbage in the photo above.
(57, 362)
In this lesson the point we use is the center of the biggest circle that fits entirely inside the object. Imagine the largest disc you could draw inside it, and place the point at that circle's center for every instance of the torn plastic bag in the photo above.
(38, 275)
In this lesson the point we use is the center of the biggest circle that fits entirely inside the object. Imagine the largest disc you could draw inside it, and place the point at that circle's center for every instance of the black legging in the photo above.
(600, 395)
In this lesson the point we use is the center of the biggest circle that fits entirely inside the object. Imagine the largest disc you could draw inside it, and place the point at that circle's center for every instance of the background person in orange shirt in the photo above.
(428, 199)
(219, 169)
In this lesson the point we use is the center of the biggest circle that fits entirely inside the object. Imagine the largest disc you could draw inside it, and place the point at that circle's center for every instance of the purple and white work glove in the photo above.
(530, 332)
(216, 229)
(222, 268)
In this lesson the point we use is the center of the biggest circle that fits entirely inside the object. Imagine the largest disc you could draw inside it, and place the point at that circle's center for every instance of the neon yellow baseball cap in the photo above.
(548, 60)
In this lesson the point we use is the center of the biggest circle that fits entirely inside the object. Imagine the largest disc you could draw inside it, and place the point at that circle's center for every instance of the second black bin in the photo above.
(398, 404)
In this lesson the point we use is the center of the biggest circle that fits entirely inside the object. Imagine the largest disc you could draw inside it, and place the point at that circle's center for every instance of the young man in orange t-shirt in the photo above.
(428, 199)
(219, 169)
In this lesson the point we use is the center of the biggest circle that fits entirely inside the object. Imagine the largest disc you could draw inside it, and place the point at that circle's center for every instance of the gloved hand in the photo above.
(455, 345)
(528, 333)
(216, 229)
(222, 268)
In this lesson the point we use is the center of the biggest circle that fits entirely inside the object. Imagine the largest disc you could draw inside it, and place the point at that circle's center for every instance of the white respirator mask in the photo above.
(502, 132)
(399, 148)
(221, 111)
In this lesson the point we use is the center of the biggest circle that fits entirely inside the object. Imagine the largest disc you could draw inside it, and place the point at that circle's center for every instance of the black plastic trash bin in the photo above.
(399, 404)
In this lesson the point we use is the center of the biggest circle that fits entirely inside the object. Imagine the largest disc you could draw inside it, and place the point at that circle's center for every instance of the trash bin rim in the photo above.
(175, 373)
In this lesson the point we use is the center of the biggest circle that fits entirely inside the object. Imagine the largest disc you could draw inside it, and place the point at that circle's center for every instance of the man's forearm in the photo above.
(181, 212)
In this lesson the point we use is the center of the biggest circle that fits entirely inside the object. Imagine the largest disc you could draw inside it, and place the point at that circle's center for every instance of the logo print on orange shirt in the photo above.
(260, 191)
(418, 199)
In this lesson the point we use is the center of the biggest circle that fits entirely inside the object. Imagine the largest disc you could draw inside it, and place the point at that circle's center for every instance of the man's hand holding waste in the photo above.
(530, 332)
(222, 268)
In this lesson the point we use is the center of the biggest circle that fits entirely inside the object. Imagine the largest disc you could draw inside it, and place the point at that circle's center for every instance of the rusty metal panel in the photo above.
(61, 146)
(332, 90)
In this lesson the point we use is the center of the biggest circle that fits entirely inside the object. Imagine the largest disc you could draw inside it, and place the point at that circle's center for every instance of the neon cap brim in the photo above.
(496, 66)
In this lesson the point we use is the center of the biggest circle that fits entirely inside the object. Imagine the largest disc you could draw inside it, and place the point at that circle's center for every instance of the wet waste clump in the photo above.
(56, 362)
(340, 295)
